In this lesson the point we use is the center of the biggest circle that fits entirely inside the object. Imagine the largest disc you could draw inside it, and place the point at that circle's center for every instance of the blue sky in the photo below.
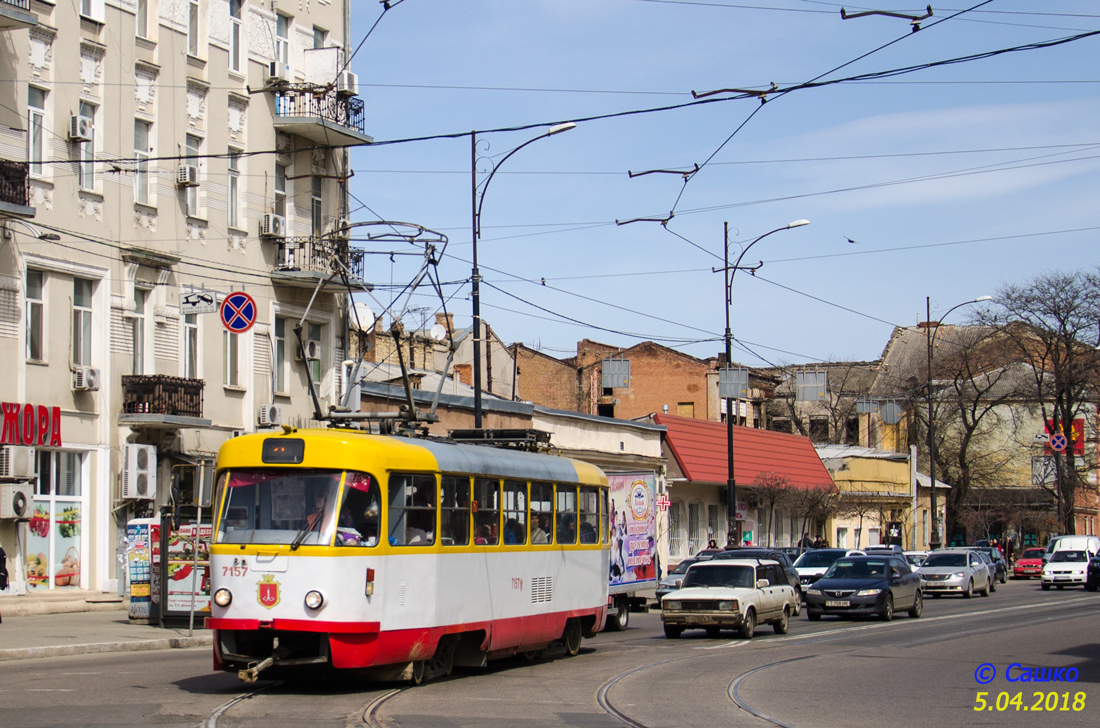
(951, 180)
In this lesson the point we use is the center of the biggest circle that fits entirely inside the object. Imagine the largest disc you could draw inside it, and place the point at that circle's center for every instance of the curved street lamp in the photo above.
(476, 201)
(730, 271)
(934, 541)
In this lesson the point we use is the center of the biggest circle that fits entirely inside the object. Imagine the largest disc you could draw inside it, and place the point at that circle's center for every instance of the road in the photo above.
(829, 673)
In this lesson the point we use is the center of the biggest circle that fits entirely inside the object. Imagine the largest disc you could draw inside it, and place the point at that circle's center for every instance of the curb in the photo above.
(172, 643)
(38, 608)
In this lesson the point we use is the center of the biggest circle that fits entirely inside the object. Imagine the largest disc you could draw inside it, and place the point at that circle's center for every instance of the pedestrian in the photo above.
(3, 574)
(712, 544)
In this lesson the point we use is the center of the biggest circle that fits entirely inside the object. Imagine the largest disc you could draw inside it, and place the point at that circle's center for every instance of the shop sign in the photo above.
(34, 425)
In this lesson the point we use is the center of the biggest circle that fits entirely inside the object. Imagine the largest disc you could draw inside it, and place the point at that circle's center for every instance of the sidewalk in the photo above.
(83, 623)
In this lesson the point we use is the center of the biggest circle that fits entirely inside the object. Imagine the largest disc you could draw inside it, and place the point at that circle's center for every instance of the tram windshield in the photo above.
(297, 506)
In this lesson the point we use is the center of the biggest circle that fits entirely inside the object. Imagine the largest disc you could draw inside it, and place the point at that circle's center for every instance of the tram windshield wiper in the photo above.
(304, 530)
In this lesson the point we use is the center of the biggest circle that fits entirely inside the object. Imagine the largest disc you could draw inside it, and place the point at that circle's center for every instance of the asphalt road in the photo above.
(829, 673)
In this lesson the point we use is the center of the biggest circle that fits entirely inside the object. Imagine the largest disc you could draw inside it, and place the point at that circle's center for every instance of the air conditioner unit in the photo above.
(187, 175)
(16, 501)
(80, 128)
(313, 351)
(270, 415)
(139, 473)
(16, 462)
(276, 73)
(347, 84)
(85, 379)
(273, 226)
(339, 226)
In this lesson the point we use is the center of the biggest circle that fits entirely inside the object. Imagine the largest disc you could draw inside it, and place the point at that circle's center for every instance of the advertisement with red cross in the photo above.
(238, 312)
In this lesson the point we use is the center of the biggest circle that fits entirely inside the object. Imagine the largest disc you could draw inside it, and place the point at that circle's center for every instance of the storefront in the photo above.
(54, 543)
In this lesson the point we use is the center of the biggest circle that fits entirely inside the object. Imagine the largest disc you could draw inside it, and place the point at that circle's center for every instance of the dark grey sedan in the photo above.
(865, 586)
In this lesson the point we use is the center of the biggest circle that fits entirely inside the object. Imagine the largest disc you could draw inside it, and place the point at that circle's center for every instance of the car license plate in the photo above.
(837, 603)
(700, 620)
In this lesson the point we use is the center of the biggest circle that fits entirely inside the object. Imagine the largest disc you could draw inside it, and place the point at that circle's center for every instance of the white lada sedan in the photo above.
(730, 594)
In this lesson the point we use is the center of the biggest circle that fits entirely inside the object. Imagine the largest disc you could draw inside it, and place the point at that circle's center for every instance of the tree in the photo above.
(859, 503)
(771, 489)
(812, 505)
(847, 382)
(1052, 322)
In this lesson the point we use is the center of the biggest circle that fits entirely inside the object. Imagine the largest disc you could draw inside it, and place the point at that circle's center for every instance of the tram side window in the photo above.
(412, 510)
(454, 502)
(567, 514)
(604, 529)
(542, 513)
(486, 512)
(589, 515)
(515, 512)
(360, 513)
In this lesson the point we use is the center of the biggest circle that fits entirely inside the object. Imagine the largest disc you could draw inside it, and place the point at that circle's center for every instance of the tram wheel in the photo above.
(571, 638)
(417, 676)
(443, 661)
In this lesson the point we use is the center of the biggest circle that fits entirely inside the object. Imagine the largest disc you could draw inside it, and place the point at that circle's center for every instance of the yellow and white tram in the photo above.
(403, 556)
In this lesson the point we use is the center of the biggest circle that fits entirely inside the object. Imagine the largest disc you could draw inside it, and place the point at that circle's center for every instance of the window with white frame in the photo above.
(842, 537)
(696, 537)
(141, 19)
(280, 190)
(191, 346)
(235, 35)
(193, 147)
(35, 295)
(82, 322)
(231, 356)
(233, 192)
(282, 41)
(280, 363)
(86, 152)
(675, 528)
(193, 28)
(716, 523)
(93, 10)
(320, 37)
(141, 297)
(317, 205)
(142, 150)
(36, 129)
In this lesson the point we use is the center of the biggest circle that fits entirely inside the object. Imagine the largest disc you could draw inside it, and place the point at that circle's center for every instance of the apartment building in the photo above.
(172, 193)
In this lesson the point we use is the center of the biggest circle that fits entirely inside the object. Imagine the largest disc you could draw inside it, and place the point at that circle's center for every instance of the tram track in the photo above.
(212, 720)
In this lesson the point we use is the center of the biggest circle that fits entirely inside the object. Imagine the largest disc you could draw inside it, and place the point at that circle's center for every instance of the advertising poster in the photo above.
(139, 568)
(66, 545)
(183, 578)
(38, 547)
(633, 527)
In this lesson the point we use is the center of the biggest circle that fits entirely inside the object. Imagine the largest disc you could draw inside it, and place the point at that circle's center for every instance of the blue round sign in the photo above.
(238, 312)
(1058, 442)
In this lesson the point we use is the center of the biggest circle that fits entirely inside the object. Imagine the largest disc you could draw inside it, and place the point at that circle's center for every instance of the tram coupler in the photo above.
(252, 672)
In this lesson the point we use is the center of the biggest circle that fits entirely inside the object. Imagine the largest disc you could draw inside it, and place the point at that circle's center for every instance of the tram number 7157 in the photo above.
(517, 583)
(235, 570)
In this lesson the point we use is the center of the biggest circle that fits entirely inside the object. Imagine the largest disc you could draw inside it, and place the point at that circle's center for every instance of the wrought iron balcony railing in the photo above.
(309, 101)
(162, 395)
(13, 181)
(318, 255)
(19, 4)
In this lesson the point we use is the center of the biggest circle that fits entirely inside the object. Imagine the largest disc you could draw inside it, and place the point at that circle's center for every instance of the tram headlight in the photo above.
(223, 597)
(314, 599)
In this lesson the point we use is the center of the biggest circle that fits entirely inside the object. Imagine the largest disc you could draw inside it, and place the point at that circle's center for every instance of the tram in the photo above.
(399, 556)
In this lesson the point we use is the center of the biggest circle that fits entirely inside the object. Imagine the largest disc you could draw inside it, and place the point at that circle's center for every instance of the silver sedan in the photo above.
(955, 572)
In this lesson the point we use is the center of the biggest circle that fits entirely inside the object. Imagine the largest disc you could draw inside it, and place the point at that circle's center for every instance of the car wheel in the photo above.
(1004, 577)
(784, 622)
(969, 589)
(992, 585)
(888, 608)
(918, 606)
(1090, 587)
(672, 631)
(748, 625)
(620, 620)
(714, 632)
(1046, 587)
(813, 616)
(798, 599)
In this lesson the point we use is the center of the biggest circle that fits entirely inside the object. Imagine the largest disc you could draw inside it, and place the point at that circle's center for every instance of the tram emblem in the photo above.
(267, 591)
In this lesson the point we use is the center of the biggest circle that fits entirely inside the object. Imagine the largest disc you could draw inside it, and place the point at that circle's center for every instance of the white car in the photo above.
(730, 594)
(812, 564)
(1065, 568)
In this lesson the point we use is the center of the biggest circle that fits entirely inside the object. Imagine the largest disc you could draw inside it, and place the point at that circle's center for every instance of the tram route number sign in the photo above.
(238, 312)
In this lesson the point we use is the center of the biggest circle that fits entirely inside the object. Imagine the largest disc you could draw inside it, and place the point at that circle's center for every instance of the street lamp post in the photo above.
(934, 541)
(476, 201)
(729, 271)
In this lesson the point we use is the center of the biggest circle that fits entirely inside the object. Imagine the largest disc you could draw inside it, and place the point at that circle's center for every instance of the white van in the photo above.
(1072, 543)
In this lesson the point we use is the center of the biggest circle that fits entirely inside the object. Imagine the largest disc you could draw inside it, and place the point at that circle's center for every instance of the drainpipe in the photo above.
(914, 488)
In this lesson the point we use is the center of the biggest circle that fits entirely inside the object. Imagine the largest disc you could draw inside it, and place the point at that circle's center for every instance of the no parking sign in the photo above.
(238, 312)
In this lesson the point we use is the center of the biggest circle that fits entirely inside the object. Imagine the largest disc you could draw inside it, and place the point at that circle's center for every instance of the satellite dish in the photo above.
(364, 315)
(438, 332)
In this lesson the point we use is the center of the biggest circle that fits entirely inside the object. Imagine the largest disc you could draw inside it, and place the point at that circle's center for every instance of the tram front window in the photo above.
(280, 506)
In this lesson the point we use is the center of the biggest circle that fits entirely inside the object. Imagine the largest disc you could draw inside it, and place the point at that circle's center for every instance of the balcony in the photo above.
(16, 15)
(302, 261)
(321, 115)
(161, 402)
(14, 191)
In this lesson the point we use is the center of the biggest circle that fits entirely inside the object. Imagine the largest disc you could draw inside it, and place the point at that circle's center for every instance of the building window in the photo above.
(675, 529)
(36, 315)
(282, 41)
(191, 346)
(235, 35)
(93, 10)
(280, 190)
(193, 28)
(138, 323)
(716, 524)
(231, 355)
(851, 431)
(320, 37)
(313, 333)
(192, 150)
(280, 355)
(36, 124)
(142, 151)
(233, 194)
(141, 19)
(842, 538)
(86, 152)
(819, 429)
(781, 425)
(82, 322)
(317, 205)
(696, 539)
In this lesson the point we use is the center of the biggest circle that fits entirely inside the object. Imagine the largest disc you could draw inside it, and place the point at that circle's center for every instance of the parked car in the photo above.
(794, 552)
(1029, 565)
(991, 566)
(882, 548)
(1092, 578)
(672, 579)
(955, 571)
(730, 594)
(999, 564)
(812, 564)
(774, 555)
(915, 558)
(1089, 544)
(707, 553)
(1065, 568)
(865, 585)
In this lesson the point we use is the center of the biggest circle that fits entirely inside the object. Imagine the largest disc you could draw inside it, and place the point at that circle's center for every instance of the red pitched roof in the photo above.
(700, 448)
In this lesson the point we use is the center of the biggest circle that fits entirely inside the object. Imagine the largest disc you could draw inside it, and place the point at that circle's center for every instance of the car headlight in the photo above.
(868, 592)
(1079, 571)
(727, 606)
(815, 592)
(678, 582)
(314, 599)
(672, 606)
(223, 597)
(958, 575)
